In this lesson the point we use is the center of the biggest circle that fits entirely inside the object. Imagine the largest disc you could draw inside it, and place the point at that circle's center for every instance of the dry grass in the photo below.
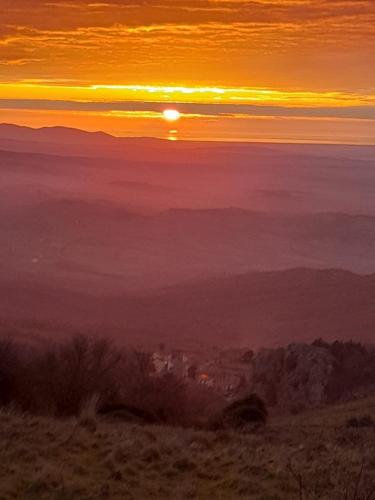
(307, 457)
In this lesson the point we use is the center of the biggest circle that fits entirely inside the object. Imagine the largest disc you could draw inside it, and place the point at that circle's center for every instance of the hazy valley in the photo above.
(158, 240)
(217, 290)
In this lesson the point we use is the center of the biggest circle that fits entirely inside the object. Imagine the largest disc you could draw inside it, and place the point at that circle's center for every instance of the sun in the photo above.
(171, 115)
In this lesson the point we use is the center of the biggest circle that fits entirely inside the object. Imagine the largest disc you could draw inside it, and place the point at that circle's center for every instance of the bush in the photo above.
(164, 397)
(354, 369)
(66, 378)
(67, 375)
(249, 410)
(59, 379)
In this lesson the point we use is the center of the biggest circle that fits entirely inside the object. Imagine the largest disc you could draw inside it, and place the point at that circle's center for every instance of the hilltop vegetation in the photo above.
(59, 379)
(309, 375)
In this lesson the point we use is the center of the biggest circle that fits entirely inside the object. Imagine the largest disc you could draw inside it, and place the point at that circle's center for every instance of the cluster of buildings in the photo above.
(227, 371)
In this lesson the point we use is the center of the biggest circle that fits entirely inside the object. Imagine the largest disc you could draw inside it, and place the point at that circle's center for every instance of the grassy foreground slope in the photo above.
(310, 456)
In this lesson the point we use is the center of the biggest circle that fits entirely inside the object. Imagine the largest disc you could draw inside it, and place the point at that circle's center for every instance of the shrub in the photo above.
(354, 368)
(58, 379)
(163, 397)
(81, 376)
(64, 377)
(248, 410)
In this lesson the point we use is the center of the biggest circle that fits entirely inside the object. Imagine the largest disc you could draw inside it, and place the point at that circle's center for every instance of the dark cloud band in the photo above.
(348, 112)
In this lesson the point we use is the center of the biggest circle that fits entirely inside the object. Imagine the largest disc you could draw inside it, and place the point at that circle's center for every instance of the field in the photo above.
(309, 456)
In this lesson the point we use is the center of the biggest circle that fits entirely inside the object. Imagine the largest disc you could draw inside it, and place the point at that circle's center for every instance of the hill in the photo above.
(314, 455)
(98, 245)
(255, 310)
(145, 239)
(158, 214)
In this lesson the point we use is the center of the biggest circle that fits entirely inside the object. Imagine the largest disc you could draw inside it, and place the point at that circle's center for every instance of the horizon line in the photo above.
(291, 142)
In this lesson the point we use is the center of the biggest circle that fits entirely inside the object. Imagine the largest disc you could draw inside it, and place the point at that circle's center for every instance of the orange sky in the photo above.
(236, 68)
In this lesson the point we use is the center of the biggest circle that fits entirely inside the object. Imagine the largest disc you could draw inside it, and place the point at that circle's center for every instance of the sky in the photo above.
(263, 70)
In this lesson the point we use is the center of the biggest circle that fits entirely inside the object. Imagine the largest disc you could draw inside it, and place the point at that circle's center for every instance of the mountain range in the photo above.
(221, 243)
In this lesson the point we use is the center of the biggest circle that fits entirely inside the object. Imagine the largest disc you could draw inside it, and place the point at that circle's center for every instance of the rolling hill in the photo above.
(254, 310)
(186, 241)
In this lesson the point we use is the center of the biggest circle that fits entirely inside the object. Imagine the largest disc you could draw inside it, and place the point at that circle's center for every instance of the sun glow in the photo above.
(178, 94)
(171, 115)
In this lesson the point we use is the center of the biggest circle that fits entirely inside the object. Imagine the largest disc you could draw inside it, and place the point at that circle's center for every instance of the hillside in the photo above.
(90, 211)
(99, 245)
(315, 455)
(255, 310)
(144, 239)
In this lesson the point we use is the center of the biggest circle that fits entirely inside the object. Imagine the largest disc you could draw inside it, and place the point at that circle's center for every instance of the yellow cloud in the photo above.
(181, 94)
(284, 44)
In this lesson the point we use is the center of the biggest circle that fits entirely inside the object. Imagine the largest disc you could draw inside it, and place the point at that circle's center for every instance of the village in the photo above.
(227, 372)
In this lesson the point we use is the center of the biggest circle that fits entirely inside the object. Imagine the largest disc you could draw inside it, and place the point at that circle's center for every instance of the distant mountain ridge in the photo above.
(67, 135)
(12, 131)
(54, 135)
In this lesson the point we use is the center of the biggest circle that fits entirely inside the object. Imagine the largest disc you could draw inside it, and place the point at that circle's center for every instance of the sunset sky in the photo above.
(282, 70)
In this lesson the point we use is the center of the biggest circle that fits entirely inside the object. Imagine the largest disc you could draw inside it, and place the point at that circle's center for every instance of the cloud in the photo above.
(228, 41)
(197, 109)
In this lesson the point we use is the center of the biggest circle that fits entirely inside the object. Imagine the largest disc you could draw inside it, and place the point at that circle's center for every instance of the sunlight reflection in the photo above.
(172, 135)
